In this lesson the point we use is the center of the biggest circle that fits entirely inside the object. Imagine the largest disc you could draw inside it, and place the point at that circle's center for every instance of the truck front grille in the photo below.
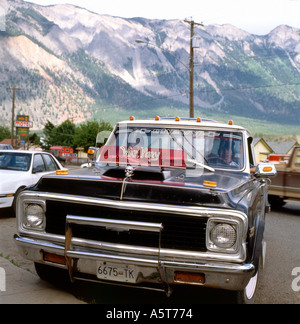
(180, 232)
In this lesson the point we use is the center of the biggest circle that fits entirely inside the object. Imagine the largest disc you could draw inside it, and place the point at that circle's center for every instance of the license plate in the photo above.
(116, 272)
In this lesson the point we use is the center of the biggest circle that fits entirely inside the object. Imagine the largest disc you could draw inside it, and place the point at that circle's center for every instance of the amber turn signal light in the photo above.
(189, 277)
(54, 258)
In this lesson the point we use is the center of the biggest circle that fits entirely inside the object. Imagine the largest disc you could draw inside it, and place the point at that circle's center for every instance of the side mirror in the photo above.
(265, 170)
(92, 153)
(37, 170)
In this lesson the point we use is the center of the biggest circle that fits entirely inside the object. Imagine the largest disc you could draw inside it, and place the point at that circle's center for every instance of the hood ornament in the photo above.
(128, 174)
(129, 171)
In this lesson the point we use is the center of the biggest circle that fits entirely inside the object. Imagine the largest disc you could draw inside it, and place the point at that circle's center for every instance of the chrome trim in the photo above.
(223, 275)
(156, 266)
(140, 206)
(285, 189)
(226, 215)
(114, 224)
(239, 233)
(138, 250)
(56, 248)
(42, 204)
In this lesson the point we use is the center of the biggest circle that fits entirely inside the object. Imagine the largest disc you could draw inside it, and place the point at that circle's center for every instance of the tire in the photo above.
(276, 202)
(247, 296)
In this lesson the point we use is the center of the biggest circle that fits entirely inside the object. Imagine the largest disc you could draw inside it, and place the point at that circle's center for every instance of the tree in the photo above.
(86, 133)
(49, 129)
(4, 133)
(35, 139)
(62, 135)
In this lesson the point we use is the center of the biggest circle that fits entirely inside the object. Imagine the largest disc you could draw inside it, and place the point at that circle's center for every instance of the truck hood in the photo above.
(220, 189)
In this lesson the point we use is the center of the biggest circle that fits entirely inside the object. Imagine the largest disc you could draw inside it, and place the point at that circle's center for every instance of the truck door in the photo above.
(292, 181)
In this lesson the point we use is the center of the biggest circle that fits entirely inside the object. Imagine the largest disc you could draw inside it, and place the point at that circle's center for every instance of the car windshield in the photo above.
(15, 161)
(174, 148)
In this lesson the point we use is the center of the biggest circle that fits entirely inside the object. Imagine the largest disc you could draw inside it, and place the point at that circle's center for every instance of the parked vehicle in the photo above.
(19, 169)
(278, 158)
(62, 151)
(286, 185)
(169, 202)
(6, 147)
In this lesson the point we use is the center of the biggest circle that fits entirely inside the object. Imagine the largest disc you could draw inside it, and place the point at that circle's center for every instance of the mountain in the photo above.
(73, 63)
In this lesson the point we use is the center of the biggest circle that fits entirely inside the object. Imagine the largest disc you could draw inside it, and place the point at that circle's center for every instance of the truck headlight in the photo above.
(223, 236)
(34, 216)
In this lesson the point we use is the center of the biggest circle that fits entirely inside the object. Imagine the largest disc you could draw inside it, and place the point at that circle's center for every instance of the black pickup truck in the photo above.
(168, 202)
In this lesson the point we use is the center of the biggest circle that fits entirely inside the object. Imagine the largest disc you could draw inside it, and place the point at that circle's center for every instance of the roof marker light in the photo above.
(132, 118)
(230, 122)
(157, 118)
(177, 119)
(199, 120)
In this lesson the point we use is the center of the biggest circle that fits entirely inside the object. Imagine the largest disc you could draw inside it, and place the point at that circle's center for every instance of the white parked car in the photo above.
(20, 169)
(6, 147)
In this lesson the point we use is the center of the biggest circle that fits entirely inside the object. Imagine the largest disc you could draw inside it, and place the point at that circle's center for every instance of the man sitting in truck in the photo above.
(227, 154)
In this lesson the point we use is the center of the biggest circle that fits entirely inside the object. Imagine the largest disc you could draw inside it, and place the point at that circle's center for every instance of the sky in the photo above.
(254, 16)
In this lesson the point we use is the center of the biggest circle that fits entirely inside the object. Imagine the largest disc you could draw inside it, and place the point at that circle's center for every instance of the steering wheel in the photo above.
(216, 160)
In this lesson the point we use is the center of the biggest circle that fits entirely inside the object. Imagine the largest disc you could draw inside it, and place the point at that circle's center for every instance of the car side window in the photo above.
(297, 160)
(38, 164)
(50, 163)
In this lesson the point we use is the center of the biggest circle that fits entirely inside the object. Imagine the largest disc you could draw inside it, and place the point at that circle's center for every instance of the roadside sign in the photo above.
(23, 124)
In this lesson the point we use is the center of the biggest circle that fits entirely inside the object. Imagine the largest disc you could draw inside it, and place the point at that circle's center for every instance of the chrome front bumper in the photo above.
(153, 273)
(155, 267)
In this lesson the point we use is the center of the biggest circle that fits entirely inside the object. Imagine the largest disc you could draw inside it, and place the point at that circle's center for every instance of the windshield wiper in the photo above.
(191, 160)
(201, 164)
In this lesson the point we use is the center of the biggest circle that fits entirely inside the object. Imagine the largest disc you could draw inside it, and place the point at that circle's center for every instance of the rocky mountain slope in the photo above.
(69, 62)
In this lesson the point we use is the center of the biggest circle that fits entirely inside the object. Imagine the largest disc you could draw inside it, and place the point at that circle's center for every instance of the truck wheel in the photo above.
(55, 276)
(276, 202)
(247, 296)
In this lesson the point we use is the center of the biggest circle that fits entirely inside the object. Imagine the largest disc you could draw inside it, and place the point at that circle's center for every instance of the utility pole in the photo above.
(13, 113)
(192, 24)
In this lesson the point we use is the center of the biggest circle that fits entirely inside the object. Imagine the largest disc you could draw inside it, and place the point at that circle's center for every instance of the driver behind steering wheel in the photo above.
(226, 153)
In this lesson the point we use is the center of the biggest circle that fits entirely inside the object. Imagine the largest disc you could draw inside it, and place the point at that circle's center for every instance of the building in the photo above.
(284, 147)
(262, 149)
(8, 141)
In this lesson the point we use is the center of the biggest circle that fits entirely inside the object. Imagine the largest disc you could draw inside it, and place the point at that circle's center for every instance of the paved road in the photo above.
(23, 286)
(283, 255)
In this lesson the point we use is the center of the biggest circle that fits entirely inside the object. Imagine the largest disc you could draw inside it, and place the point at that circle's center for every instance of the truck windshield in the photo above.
(174, 148)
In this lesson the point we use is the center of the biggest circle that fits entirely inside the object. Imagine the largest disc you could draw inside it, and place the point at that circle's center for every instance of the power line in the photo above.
(255, 87)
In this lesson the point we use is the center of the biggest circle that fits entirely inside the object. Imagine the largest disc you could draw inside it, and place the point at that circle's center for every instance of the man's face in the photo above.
(227, 155)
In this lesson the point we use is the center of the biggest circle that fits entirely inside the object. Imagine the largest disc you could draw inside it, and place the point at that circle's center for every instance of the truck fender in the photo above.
(258, 245)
